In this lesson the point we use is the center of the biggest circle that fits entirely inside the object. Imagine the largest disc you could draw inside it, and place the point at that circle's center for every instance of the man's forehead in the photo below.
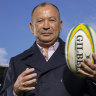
(39, 11)
(46, 6)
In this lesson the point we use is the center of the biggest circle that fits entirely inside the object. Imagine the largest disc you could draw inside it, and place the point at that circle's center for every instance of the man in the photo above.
(41, 70)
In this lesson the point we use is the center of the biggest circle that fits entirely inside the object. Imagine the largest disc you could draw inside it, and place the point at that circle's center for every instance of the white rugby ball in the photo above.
(80, 44)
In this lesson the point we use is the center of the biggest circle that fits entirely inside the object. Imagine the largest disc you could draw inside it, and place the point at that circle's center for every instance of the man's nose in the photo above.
(46, 25)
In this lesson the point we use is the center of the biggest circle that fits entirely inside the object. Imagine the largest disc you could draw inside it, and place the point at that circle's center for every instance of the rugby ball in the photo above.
(80, 44)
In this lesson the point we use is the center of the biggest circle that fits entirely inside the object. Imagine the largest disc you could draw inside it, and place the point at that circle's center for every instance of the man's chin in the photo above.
(47, 41)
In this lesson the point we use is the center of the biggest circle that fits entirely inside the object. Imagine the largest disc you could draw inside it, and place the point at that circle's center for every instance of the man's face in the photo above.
(46, 24)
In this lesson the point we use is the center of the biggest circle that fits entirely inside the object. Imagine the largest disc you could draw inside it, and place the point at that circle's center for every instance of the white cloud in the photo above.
(3, 59)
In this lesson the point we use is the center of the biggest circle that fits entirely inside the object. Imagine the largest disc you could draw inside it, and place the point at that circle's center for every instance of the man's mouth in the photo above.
(47, 33)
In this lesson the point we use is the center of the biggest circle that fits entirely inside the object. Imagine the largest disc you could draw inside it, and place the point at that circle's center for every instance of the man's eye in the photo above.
(39, 20)
(51, 20)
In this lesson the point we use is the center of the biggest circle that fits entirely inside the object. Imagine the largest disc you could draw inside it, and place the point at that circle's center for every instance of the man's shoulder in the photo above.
(62, 43)
(25, 53)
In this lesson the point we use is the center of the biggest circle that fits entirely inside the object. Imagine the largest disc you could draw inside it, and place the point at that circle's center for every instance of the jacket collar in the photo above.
(34, 59)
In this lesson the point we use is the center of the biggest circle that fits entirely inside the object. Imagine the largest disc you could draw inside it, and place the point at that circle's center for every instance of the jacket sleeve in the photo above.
(91, 86)
(7, 89)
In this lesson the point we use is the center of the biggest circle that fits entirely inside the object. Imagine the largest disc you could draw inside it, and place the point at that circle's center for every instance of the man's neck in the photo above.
(46, 45)
(48, 51)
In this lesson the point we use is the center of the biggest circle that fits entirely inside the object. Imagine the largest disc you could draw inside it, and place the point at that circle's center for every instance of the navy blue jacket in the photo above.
(54, 78)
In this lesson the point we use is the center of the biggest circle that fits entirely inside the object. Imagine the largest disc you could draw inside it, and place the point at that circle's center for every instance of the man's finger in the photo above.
(25, 84)
(28, 77)
(86, 68)
(90, 64)
(85, 73)
(27, 71)
(28, 88)
(94, 57)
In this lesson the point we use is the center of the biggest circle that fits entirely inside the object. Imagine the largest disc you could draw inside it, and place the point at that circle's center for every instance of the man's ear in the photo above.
(31, 27)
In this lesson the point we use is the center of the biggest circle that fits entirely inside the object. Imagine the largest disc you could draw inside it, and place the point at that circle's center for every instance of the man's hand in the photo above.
(88, 68)
(23, 80)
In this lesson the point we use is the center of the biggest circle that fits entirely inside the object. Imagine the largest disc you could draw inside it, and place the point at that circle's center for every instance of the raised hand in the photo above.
(25, 79)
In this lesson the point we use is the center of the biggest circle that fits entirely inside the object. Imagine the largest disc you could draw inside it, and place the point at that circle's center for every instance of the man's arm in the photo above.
(7, 89)
(17, 86)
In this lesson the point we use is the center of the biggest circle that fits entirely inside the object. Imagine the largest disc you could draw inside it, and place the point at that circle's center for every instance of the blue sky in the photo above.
(15, 15)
